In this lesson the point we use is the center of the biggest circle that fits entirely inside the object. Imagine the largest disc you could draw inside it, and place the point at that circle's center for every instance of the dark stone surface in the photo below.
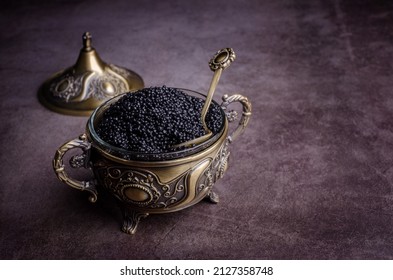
(311, 178)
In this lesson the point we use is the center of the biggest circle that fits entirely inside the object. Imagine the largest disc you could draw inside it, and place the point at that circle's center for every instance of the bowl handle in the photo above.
(77, 161)
(232, 115)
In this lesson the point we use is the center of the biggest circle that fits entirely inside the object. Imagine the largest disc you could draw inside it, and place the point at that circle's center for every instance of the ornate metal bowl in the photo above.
(146, 184)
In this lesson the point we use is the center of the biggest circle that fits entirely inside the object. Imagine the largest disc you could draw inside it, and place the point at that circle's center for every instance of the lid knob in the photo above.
(87, 41)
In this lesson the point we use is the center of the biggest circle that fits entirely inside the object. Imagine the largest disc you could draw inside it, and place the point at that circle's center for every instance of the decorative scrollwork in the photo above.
(172, 192)
(141, 187)
(220, 162)
(131, 220)
(59, 166)
(215, 170)
(178, 187)
(222, 59)
(100, 86)
(246, 113)
(78, 161)
(104, 86)
(232, 115)
(67, 86)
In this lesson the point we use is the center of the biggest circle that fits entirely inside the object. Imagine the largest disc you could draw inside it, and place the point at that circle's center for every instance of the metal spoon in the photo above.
(221, 60)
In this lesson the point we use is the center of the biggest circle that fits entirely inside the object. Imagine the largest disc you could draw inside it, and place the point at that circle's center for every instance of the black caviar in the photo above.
(153, 120)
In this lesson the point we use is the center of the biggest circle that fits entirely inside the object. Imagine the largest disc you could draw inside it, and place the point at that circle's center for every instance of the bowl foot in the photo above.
(131, 220)
(213, 197)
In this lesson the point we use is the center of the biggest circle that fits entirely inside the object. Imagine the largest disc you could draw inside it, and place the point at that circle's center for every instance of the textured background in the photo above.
(311, 178)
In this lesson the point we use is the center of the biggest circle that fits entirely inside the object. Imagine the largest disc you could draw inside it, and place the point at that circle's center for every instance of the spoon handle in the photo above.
(221, 60)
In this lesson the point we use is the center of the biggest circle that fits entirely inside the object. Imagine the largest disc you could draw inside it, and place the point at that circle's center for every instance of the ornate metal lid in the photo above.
(81, 88)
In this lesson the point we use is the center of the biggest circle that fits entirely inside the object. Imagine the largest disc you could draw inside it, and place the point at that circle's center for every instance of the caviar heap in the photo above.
(153, 120)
